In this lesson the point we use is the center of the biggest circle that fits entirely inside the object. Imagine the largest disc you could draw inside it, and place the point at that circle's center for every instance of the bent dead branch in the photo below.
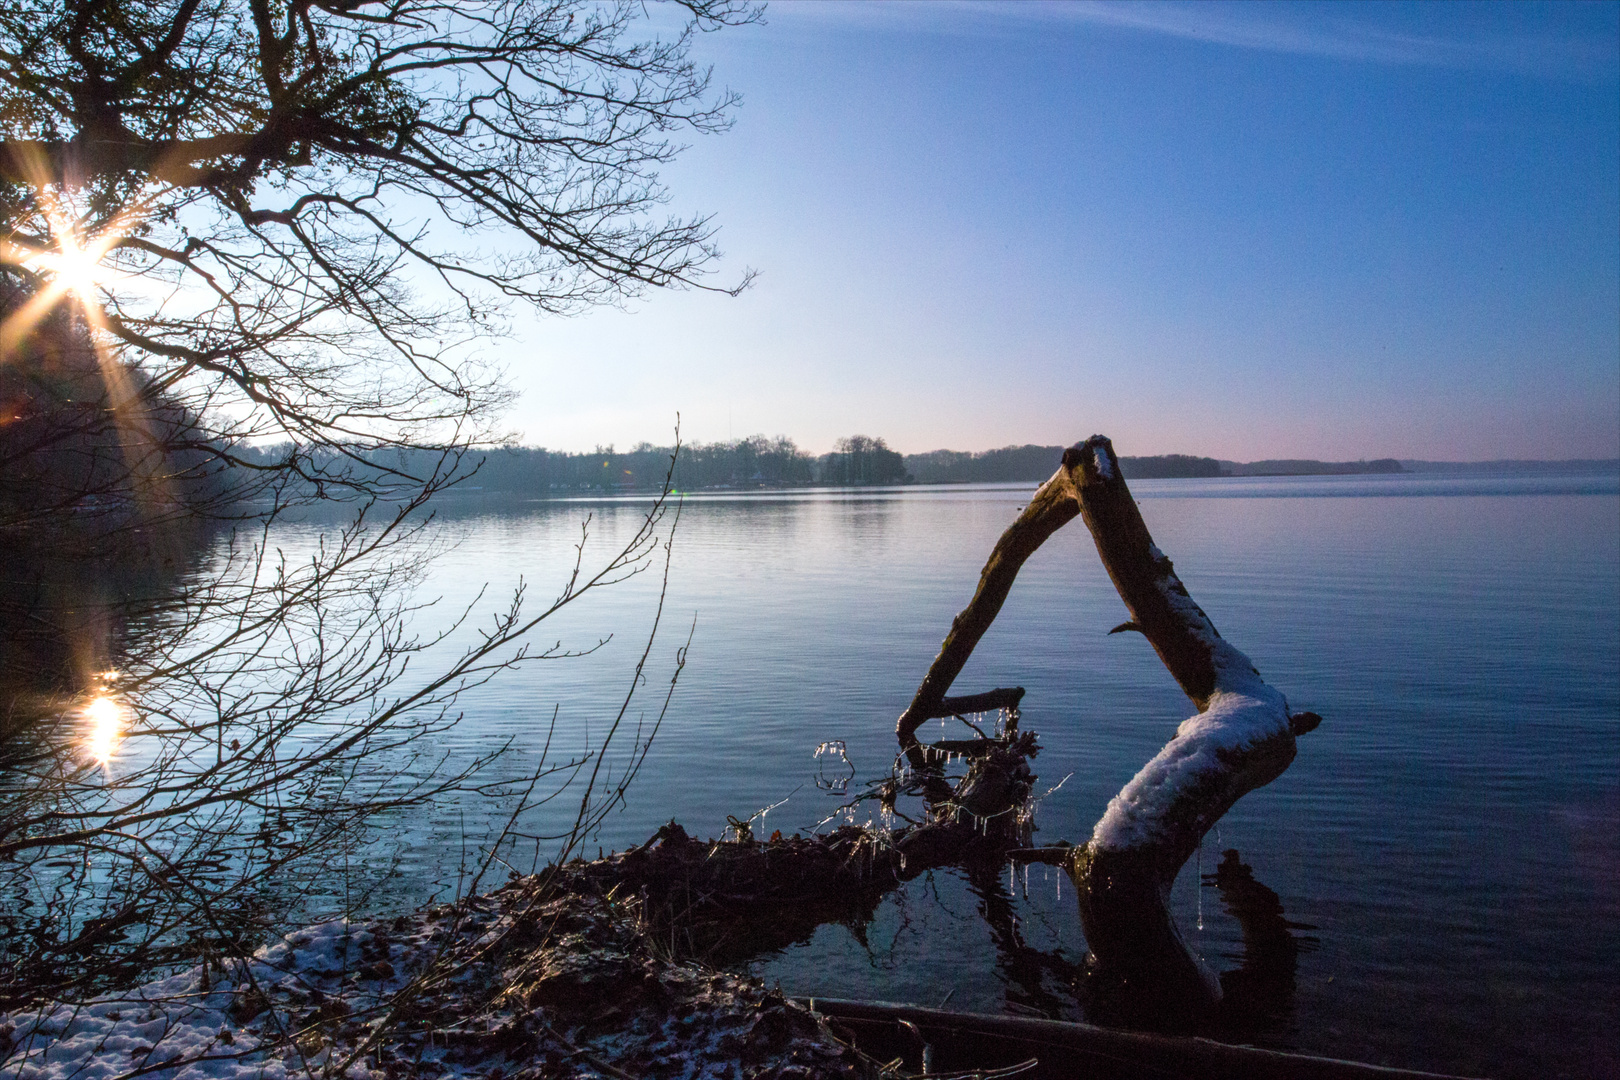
(735, 899)
(1051, 508)
(1241, 739)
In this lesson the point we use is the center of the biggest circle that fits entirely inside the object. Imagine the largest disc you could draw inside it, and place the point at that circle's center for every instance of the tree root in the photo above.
(724, 901)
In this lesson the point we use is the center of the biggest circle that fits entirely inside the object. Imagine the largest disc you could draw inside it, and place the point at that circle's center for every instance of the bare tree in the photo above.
(256, 735)
(246, 248)
(248, 251)
(319, 210)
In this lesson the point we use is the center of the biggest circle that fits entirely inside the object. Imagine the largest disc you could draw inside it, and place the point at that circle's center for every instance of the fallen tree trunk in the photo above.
(728, 900)
(1241, 739)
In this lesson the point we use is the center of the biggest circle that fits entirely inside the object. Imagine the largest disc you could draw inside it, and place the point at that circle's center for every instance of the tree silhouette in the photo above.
(250, 253)
(314, 211)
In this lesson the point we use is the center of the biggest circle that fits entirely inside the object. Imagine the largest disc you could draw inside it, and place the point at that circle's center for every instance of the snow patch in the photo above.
(178, 1028)
(1234, 722)
(1234, 671)
(304, 1006)
(1105, 469)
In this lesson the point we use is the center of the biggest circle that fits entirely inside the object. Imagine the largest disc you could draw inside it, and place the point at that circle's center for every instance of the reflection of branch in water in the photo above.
(1026, 968)
(1259, 992)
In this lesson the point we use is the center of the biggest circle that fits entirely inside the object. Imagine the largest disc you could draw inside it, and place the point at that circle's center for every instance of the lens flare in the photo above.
(62, 252)
(106, 723)
(65, 252)
(77, 269)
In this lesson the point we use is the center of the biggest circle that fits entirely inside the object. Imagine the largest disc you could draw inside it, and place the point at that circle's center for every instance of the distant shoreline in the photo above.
(1035, 463)
(1414, 469)
(1524, 465)
(759, 464)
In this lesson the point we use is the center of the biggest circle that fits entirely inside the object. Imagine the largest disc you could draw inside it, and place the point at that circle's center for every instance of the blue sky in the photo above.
(1247, 231)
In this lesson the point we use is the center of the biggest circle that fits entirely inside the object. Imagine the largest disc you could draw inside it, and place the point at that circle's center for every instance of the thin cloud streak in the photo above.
(1313, 32)
(1338, 39)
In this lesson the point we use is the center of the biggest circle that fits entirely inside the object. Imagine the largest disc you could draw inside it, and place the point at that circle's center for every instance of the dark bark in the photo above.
(1053, 506)
(1144, 576)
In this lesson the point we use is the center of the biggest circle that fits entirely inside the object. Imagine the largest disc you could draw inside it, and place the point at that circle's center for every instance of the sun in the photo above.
(77, 268)
(73, 262)
(67, 261)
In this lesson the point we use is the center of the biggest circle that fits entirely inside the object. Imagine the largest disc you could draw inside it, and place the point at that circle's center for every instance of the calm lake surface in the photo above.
(1450, 834)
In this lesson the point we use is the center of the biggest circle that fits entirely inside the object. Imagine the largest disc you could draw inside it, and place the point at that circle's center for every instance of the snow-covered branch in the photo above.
(1242, 738)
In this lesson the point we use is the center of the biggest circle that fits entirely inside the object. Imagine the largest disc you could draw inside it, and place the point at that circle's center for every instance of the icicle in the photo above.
(1200, 884)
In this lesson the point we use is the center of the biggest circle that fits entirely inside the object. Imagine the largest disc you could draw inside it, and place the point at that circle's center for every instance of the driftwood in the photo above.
(728, 900)
(1241, 739)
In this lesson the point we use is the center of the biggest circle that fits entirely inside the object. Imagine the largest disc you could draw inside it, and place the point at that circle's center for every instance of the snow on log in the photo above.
(1241, 739)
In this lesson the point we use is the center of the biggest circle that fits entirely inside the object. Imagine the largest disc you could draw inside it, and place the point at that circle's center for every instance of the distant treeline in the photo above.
(1036, 463)
(753, 462)
(759, 462)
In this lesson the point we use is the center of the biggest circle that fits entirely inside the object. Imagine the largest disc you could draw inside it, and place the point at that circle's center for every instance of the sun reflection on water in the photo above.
(106, 720)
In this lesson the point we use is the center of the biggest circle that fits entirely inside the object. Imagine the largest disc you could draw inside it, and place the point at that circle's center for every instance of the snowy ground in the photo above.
(518, 983)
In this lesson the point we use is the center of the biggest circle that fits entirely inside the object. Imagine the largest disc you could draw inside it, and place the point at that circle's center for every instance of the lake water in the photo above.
(1449, 833)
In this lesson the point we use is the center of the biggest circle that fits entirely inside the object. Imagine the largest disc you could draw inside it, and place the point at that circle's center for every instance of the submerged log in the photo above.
(724, 901)
(1241, 739)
